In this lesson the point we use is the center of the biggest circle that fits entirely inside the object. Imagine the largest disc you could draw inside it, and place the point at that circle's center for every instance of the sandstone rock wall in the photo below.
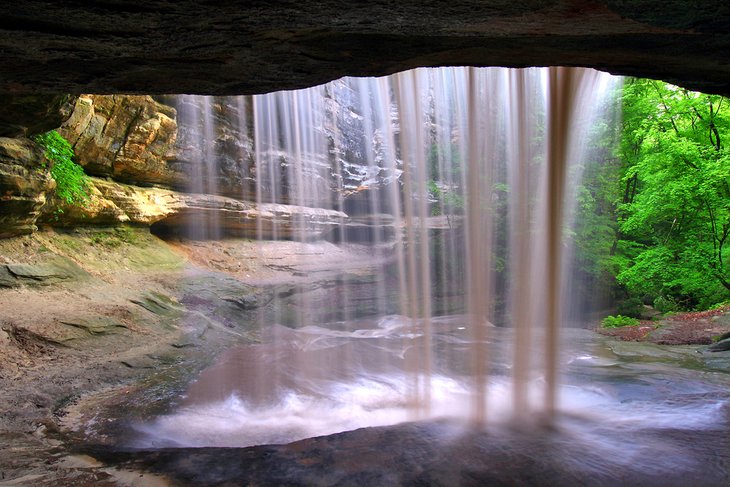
(147, 163)
(24, 183)
(129, 138)
(174, 212)
(223, 163)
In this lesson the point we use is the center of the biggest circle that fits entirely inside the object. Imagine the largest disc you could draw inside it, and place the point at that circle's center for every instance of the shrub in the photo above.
(630, 307)
(665, 304)
(72, 184)
(720, 305)
(618, 321)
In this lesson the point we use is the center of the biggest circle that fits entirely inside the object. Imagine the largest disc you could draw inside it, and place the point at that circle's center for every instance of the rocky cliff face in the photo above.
(25, 179)
(215, 145)
(216, 149)
(142, 158)
(25, 182)
(128, 138)
(254, 47)
(191, 214)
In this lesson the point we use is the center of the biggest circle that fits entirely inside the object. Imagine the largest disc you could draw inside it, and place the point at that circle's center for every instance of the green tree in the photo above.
(674, 205)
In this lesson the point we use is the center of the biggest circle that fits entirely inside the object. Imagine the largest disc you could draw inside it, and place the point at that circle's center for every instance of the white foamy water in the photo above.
(377, 390)
(296, 416)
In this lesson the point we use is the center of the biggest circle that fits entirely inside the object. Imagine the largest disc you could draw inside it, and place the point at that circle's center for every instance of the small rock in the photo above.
(159, 304)
(58, 269)
(97, 325)
(721, 346)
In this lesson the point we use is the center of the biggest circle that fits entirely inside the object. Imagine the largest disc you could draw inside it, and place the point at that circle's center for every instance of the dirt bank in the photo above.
(129, 318)
(695, 328)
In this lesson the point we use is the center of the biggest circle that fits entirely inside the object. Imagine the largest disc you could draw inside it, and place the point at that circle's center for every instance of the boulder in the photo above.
(54, 270)
(159, 304)
(24, 182)
(722, 345)
(130, 138)
(95, 325)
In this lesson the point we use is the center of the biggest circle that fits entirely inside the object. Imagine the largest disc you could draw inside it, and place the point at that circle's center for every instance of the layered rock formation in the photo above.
(254, 47)
(129, 138)
(205, 215)
(141, 175)
(24, 183)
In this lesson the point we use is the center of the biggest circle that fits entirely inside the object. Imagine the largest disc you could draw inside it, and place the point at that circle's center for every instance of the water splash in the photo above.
(321, 381)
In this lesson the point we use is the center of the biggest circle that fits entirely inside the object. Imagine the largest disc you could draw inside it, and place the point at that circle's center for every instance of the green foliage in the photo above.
(444, 185)
(673, 209)
(444, 162)
(630, 307)
(618, 321)
(435, 192)
(653, 206)
(666, 304)
(720, 337)
(72, 184)
(597, 183)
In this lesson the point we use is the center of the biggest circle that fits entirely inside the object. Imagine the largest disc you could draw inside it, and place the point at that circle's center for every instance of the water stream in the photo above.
(463, 179)
(317, 381)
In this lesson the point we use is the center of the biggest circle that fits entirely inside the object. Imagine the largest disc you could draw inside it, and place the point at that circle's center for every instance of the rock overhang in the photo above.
(194, 46)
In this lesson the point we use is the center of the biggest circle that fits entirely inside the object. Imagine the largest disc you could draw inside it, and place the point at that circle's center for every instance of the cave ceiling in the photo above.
(207, 47)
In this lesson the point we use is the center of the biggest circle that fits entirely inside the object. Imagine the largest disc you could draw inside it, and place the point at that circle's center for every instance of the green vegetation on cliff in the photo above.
(72, 184)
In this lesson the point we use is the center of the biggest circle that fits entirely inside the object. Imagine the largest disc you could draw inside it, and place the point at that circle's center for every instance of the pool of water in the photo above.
(317, 381)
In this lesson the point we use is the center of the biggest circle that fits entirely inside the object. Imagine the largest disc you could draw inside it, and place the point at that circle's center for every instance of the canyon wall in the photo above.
(141, 157)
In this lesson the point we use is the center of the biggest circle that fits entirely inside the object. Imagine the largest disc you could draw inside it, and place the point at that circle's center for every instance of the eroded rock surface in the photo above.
(256, 47)
(28, 115)
(207, 216)
(129, 138)
(24, 182)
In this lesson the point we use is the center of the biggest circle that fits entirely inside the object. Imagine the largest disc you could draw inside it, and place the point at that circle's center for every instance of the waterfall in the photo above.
(459, 182)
